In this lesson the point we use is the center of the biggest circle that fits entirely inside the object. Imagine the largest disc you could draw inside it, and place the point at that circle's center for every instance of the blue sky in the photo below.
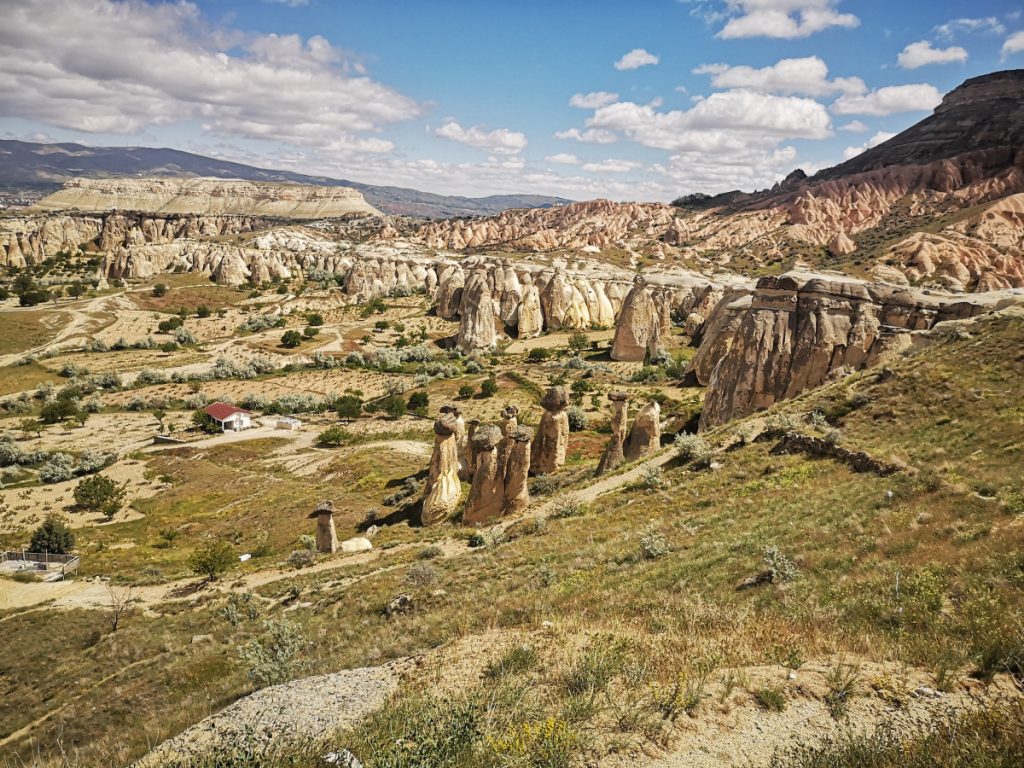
(641, 100)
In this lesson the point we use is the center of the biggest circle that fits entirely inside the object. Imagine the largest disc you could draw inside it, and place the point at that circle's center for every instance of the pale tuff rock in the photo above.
(563, 305)
(642, 325)
(442, 490)
(477, 320)
(487, 495)
(509, 420)
(959, 262)
(207, 196)
(552, 439)
(451, 281)
(355, 544)
(717, 333)
(694, 324)
(461, 440)
(326, 537)
(801, 327)
(613, 454)
(26, 240)
(531, 317)
(841, 245)
(467, 458)
(516, 447)
(645, 435)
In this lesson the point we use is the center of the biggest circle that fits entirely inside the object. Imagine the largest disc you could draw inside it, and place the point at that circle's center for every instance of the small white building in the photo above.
(289, 423)
(229, 417)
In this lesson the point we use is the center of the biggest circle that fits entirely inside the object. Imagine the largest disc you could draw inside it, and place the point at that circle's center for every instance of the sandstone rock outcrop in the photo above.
(206, 196)
(442, 489)
(801, 327)
(509, 420)
(552, 439)
(642, 325)
(487, 494)
(477, 320)
(644, 436)
(613, 454)
(516, 449)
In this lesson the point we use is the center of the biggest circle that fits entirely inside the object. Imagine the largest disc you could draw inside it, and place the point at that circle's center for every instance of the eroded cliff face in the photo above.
(798, 329)
(206, 196)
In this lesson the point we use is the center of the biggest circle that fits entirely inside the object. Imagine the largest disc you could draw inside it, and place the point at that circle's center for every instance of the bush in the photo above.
(418, 401)
(212, 560)
(183, 336)
(421, 574)
(148, 376)
(477, 540)
(578, 342)
(538, 355)
(334, 436)
(159, 290)
(58, 469)
(692, 448)
(56, 411)
(489, 387)
(653, 545)
(569, 505)
(314, 319)
(577, 418)
(393, 406)
(273, 658)
(101, 494)
(550, 743)
(205, 423)
(203, 311)
(780, 566)
(466, 391)
(291, 339)
(52, 536)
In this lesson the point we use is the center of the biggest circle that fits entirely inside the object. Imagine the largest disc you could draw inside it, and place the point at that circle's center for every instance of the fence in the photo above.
(68, 563)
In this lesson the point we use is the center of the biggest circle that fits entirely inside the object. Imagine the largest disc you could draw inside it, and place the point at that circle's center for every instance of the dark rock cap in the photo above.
(486, 437)
(555, 399)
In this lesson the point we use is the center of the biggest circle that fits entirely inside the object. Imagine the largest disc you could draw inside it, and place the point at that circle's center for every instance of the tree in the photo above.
(489, 387)
(578, 342)
(393, 406)
(202, 311)
(160, 415)
(31, 426)
(466, 391)
(212, 560)
(291, 339)
(419, 401)
(101, 494)
(52, 536)
(315, 319)
(159, 290)
(349, 407)
(77, 289)
(205, 423)
(81, 416)
(57, 411)
(538, 355)
(121, 601)
(310, 332)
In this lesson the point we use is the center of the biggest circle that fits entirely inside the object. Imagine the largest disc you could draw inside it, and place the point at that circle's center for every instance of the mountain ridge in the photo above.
(45, 167)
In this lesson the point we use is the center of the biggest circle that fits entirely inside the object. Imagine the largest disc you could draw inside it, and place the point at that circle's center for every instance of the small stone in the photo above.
(398, 604)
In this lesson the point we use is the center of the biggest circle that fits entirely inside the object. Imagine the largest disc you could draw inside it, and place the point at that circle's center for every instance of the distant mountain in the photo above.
(44, 167)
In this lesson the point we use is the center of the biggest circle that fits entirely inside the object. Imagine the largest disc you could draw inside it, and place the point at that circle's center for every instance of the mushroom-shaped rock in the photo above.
(509, 420)
(517, 470)
(645, 435)
(549, 446)
(326, 536)
(487, 496)
(613, 452)
(442, 490)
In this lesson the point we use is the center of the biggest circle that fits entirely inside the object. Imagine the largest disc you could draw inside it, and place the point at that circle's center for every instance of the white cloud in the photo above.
(1014, 43)
(125, 67)
(989, 24)
(854, 126)
(890, 100)
(611, 166)
(921, 53)
(874, 141)
(565, 158)
(635, 59)
(785, 19)
(807, 76)
(723, 122)
(593, 136)
(592, 100)
(500, 140)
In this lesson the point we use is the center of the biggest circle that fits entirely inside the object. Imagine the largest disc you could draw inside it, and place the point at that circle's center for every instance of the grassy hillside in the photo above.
(631, 607)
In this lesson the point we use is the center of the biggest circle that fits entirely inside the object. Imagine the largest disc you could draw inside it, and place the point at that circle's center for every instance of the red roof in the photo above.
(222, 411)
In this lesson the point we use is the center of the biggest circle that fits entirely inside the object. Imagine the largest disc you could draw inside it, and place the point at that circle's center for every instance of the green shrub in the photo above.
(101, 494)
(334, 436)
(538, 355)
(53, 536)
(212, 560)
(517, 659)
(692, 448)
(273, 658)
(291, 339)
(771, 698)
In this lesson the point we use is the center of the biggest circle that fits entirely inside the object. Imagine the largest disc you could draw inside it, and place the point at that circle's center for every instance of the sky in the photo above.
(640, 100)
